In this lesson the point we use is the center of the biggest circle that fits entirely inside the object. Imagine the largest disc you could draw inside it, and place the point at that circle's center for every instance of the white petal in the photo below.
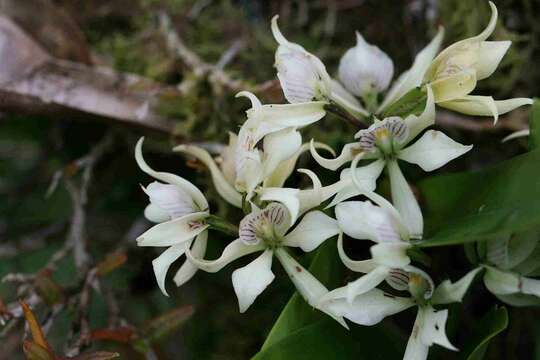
(278, 147)
(454, 86)
(363, 266)
(175, 231)
(448, 292)
(392, 255)
(251, 280)
(517, 134)
(363, 220)
(365, 68)
(162, 263)
(369, 308)
(314, 228)
(433, 328)
(366, 283)
(433, 150)
(405, 201)
(347, 154)
(417, 124)
(188, 270)
(156, 214)
(428, 329)
(413, 77)
(347, 101)
(484, 105)
(171, 198)
(286, 196)
(285, 169)
(367, 179)
(223, 187)
(530, 286)
(501, 282)
(169, 178)
(307, 285)
(233, 251)
(490, 54)
(249, 171)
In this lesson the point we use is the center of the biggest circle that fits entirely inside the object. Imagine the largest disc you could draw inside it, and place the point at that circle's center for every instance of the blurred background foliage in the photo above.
(126, 36)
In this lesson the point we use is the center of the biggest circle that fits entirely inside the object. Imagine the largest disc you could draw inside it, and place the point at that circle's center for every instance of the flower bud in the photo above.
(365, 68)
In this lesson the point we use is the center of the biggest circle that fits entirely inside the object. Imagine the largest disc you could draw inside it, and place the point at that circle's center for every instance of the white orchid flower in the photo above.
(180, 209)
(387, 141)
(453, 74)
(365, 69)
(303, 76)
(267, 230)
(369, 308)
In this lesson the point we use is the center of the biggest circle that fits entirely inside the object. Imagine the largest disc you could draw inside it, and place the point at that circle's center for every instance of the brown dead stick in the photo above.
(34, 82)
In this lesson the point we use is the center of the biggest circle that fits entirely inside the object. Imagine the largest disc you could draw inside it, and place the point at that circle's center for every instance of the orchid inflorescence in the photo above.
(252, 169)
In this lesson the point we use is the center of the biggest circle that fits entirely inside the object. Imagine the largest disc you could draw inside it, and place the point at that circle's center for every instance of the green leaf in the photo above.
(475, 206)
(326, 339)
(534, 125)
(297, 313)
(412, 102)
(491, 324)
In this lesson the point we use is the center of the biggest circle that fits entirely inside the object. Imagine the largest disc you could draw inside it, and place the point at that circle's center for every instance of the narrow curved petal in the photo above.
(366, 283)
(501, 282)
(314, 228)
(413, 77)
(347, 101)
(286, 168)
(448, 292)
(405, 201)
(367, 179)
(433, 150)
(278, 147)
(226, 190)
(417, 124)
(369, 308)
(484, 105)
(175, 231)
(163, 262)
(307, 285)
(363, 266)
(188, 270)
(276, 117)
(517, 134)
(347, 154)
(363, 220)
(251, 280)
(169, 178)
(156, 214)
(233, 251)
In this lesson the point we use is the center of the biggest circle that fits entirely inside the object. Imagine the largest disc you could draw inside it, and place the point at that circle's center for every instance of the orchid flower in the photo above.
(267, 230)
(510, 260)
(370, 307)
(180, 209)
(387, 141)
(303, 77)
(246, 166)
(453, 74)
(365, 70)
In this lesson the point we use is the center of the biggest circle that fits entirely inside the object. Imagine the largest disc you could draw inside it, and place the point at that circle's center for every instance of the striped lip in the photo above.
(263, 225)
(383, 135)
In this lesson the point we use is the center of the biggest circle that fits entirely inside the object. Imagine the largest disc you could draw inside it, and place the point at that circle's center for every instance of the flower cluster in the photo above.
(252, 169)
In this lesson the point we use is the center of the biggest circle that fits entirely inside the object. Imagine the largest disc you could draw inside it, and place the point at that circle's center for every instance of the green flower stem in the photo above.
(219, 224)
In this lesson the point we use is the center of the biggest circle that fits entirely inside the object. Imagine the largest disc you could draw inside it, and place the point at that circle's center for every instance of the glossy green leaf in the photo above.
(326, 339)
(412, 102)
(494, 322)
(534, 125)
(475, 206)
